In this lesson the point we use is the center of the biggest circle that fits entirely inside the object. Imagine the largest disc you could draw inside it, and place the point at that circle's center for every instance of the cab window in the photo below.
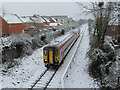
(56, 52)
(45, 52)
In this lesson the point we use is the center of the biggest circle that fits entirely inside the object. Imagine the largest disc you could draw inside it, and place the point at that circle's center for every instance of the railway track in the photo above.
(44, 79)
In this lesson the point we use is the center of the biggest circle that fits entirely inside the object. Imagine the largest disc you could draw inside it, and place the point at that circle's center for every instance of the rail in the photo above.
(39, 79)
(50, 79)
(46, 82)
(69, 64)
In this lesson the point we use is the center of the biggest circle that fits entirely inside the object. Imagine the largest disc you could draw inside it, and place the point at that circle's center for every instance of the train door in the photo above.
(51, 56)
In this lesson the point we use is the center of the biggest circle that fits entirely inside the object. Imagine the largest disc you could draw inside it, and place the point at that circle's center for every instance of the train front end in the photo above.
(51, 56)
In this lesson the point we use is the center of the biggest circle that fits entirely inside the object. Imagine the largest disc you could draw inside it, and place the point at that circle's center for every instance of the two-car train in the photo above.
(54, 54)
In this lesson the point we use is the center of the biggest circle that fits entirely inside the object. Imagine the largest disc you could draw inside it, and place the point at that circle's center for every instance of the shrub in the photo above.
(36, 42)
(101, 59)
(97, 58)
(43, 38)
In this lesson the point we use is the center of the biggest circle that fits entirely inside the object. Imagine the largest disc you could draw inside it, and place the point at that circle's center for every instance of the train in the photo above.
(54, 54)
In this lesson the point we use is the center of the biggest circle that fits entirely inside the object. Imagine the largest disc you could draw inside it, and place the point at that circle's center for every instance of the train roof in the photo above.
(60, 41)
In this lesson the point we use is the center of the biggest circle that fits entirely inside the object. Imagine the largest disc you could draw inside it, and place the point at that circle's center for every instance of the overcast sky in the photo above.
(71, 9)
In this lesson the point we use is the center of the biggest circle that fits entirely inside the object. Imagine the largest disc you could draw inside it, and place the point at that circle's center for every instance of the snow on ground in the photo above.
(24, 74)
(78, 74)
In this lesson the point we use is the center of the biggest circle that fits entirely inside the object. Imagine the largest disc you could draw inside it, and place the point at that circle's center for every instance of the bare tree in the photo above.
(104, 14)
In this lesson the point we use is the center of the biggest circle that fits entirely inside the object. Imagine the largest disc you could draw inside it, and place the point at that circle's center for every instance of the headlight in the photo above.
(45, 60)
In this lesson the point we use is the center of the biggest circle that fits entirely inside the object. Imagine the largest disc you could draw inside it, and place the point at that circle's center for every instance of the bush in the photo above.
(16, 50)
(97, 58)
(94, 69)
(8, 54)
(36, 42)
(43, 38)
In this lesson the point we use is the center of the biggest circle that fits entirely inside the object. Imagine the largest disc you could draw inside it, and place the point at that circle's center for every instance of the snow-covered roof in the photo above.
(53, 19)
(46, 19)
(26, 19)
(53, 24)
(38, 19)
(12, 18)
(36, 15)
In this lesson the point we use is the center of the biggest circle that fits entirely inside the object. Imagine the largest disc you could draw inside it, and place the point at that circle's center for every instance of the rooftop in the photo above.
(12, 18)
(38, 19)
(46, 19)
(26, 19)
(54, 19)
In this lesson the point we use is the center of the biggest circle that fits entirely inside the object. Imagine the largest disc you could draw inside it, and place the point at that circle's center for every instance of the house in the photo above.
(36, 23)
(27, 20)
(30, 24)
(114, 30)
(53, 23)
(39, 22)
(46, 23)
(11, 24)
(60, 19)
(31, 30)
(114, 26)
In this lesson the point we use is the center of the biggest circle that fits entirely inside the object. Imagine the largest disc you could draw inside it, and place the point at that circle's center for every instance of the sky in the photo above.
(71, 9)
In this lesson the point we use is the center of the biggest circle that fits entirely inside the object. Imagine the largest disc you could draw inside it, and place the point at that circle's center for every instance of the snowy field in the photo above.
(31, 67)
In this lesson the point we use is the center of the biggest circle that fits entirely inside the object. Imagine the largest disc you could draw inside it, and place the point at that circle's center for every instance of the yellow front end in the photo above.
(51, 56)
